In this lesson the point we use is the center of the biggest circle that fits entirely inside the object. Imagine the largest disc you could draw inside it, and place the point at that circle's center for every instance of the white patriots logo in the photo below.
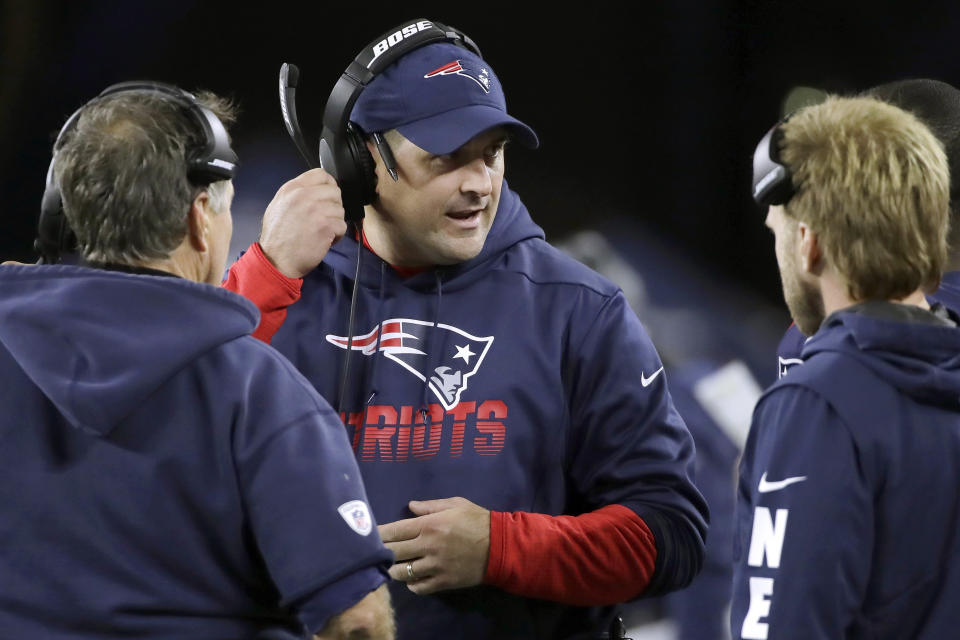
(481, 76)
(408, 342)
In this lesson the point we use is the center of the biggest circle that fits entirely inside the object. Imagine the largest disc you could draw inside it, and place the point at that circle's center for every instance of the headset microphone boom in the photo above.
(289, 76)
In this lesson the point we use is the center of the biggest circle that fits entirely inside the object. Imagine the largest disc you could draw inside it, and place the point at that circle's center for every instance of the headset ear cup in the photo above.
(54, 235)
(365, 166)
(55, 238)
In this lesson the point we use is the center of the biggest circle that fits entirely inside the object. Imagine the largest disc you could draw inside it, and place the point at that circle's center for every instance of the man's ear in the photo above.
(198, 222)
(375, 154)
(811, 257)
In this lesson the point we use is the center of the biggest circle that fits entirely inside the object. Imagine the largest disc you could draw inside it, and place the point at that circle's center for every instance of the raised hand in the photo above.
(302, 222)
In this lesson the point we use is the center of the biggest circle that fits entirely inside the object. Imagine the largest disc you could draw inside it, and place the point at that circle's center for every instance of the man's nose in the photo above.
(476, 178)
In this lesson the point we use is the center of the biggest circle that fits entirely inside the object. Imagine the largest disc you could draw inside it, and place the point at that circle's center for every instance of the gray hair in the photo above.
(122, 172)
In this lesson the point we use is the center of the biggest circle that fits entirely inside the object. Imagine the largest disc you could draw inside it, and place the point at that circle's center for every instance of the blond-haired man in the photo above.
(829, 540)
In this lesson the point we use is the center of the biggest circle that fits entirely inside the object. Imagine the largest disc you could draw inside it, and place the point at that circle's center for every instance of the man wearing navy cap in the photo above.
(509, 413)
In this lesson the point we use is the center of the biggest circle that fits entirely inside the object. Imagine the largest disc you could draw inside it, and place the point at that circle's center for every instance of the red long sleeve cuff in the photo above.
(598, 558)
(255, 278)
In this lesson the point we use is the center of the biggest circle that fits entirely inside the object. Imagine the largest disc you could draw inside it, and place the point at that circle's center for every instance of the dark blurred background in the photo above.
(648, 112)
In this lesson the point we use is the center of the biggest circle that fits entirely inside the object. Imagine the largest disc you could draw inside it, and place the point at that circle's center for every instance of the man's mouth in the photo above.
(464, 215)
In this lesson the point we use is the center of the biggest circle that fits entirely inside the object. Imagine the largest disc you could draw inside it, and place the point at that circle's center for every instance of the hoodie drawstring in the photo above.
(376, 352)
(345, 372)
(424, 407)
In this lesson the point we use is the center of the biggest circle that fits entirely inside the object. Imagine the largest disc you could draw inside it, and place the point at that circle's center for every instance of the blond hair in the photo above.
(874, 183)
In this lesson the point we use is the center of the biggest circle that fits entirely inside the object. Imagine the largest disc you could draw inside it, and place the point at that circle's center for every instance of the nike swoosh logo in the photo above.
(767, 487)
(645, 381)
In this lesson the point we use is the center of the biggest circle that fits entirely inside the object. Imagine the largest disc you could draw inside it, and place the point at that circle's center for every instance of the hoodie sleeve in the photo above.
(305, 500)
(256, 279)
(598, 558)
(628, 445)
(804, 522)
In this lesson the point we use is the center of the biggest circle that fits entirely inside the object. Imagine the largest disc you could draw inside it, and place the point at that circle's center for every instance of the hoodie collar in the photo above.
(937, 315)
(129, 268)
(915, 350)
(98, 342)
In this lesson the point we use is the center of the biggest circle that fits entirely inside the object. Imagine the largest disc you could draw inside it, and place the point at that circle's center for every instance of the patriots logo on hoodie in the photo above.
(443, 356)
(481, 76)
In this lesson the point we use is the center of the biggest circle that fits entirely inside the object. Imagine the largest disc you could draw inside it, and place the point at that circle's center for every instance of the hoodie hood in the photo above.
(98, 342)
(915, 350)
(511, 225)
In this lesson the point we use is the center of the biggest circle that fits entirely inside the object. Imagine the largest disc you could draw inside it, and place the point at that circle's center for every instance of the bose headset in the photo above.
(214, 160)
(343, 150)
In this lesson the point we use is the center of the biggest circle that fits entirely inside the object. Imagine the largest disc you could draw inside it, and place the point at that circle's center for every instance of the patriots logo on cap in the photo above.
(408, 342)
(481, 76)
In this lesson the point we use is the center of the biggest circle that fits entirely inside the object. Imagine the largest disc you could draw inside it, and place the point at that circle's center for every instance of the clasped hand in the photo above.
(446, 545)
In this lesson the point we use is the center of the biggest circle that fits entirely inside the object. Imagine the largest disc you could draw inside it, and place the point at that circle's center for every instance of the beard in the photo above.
(803, 300)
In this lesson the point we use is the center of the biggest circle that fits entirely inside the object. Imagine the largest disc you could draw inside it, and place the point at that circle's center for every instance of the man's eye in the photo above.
(496, 151)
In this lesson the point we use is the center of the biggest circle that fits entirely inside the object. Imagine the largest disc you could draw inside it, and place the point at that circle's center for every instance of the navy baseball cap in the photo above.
(438, 97)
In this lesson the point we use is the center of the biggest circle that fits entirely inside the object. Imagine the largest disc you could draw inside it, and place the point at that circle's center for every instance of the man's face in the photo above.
(221, 230)
(442, 207)
(801, 294)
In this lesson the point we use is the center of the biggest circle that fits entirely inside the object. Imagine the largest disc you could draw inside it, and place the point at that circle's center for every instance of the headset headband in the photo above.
(217, 159)
(772, 180)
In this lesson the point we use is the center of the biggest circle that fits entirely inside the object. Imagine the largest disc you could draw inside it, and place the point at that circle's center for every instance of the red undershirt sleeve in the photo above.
(255, 278)
(598, 558)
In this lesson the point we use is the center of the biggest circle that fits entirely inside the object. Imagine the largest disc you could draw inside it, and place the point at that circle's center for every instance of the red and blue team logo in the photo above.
(479, 75)
(408, 342)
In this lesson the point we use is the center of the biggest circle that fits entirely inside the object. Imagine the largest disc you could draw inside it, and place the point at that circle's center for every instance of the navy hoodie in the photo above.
(520, 380)
(163, 474)
(848, 514)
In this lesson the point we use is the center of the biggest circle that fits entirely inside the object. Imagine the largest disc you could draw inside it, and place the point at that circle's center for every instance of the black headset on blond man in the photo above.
(214, 160)
(772, 180)
(343, 150)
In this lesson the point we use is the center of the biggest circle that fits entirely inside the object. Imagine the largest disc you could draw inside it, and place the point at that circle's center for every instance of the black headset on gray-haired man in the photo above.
(213, 161)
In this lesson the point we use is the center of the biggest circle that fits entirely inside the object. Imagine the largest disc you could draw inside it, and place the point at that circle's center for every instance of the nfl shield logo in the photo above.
(356, 514)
